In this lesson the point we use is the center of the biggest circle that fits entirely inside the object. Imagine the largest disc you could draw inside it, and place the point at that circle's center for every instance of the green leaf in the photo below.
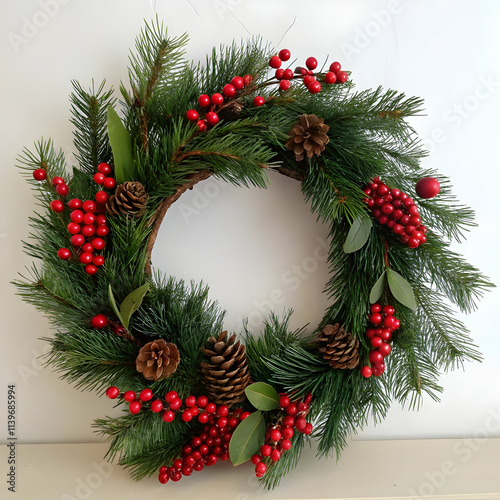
(358, 234)
(401, 289)
(121, 145)
(247, 438)
(131, 303)
(377, 289)
(263, 396)
(112, 301)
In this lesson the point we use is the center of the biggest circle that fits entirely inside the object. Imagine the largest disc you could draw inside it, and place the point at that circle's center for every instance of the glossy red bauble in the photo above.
(217, 99)
(99, 177)
(192, 115)
(428, 187)
(275, 62)
(101, 197)
(212, 118)
(342, 77)
(258, 101)
(335, 67)
(204, 100)
(57, 206)
(112, 392)
(62, 190)
(64, 253)
(284, 54)
(100, 321)
(39, 174)
(314, 87)
(109, 183)
(229, 90)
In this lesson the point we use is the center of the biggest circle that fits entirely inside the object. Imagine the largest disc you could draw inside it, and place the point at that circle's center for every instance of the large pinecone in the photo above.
(157, 360)
(226, 370)
(308, 137)
(338, 347)
(130, 198)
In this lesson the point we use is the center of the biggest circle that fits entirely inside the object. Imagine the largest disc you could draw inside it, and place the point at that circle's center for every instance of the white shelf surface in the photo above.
(426, 468)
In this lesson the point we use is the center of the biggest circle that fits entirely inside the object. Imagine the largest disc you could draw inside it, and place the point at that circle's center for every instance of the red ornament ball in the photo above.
(57, 206)
(275, 62)
(259, 101)
(64, 253)
(192, 115)
(39, 174)
(311, 63)
(428, 187)
(99, 321)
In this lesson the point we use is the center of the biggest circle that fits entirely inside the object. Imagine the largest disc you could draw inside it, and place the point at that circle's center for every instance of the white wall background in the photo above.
(243, 242)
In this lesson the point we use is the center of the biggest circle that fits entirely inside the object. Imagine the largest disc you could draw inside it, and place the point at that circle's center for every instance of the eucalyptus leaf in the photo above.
(401, 289)
(112, 301)
(377, 289)
(262, 396)
(358, 234)
(247, 438)
(121, 145)
(131, 303)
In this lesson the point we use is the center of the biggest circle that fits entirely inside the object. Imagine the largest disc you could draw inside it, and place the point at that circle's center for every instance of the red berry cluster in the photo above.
(382, 318)
(212, 104)
(396, 210)
(203, 450)
(278, 436)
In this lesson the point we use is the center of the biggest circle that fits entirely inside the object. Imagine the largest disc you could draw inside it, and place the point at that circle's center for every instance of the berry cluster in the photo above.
(382, 318)
(278, 436)
(396, 210)
(211, 105)
(203, 450)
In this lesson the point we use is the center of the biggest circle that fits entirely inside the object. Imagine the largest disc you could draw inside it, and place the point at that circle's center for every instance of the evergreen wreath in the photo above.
(192, 393)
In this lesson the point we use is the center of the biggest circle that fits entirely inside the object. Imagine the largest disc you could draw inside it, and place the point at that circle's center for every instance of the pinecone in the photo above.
(157, 360)
(338, 347)
(308, 137)
(226, 371)
(130, 198)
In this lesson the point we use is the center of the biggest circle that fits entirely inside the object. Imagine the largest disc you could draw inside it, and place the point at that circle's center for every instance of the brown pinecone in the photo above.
(130, 198)
(157, 360)
(338, 347)
(308, 137)
(226, 371)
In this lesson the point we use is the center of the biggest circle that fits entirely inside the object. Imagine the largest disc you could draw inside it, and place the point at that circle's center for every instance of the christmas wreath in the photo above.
(192, 393)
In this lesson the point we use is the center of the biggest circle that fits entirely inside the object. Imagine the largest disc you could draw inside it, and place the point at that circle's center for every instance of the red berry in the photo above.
(314, 87)
(287, 432)
(74, 204)
(388, 310)
(375, 357)
(330, 77)
(112, 392)
(342, 77)
(102, 231)
(384, 349)
(375, 319)
(77, 239)
(168, 416)
(88, 218)
(190, 401)
(88, 231)
(413, 242)
(202, 401)
(279, 74)
(366, 371)
(203, 418)
(129, 396)
(221, 422)
(204, 100)
(101, 197)
(187, 416)
(88, 206)
(275, 435)
(202, 125)
(265, 450)
(291, 409)
(163, 478)
(39, 174)
(99, 321)
(311, 63)
(104, 168)
(335, 67)
(385, 334)
(375, 308)
(258, 101)
(212, 118)
(99, 177)
(233, 422)
(134, 407)
(376, 342)
(286, 444)
(98, 243)
(308, 429)
(175, 404)
(260, 468)
(170, 396)
(247, 80)
(57, 206)
(62, 190)
(288, 74)
(308, 79)
(146, 395)
(388, 322)
(217, 99)
(109, 183)
(370, 333)
(255, 459)
(284, 401)
(192, 115)
(284, 54)
(275, 455)
(275, 62)
(428, 187)
(289, 421)
(210, 408)
(237, 82)
(156, 406)
(85, 258)
(300, 424)
(387, 208)
(223, 410)
(57, 180)
(284, 85)
(64, 253)
(229, 90)
(73, 228)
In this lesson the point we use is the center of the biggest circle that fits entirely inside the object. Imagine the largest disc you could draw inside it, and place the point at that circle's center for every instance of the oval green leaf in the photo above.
(401, 289)
(263, 396)
(377, 289)
(112, 301)
(121, 145)
(358, 234)
(247, 438)
(131, 303)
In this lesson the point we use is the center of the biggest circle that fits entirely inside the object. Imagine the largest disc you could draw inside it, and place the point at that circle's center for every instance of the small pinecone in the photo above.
(231, 111)
(338, 347)
(226, 371)
(130, 198)
(157, 360)
(308, 137)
